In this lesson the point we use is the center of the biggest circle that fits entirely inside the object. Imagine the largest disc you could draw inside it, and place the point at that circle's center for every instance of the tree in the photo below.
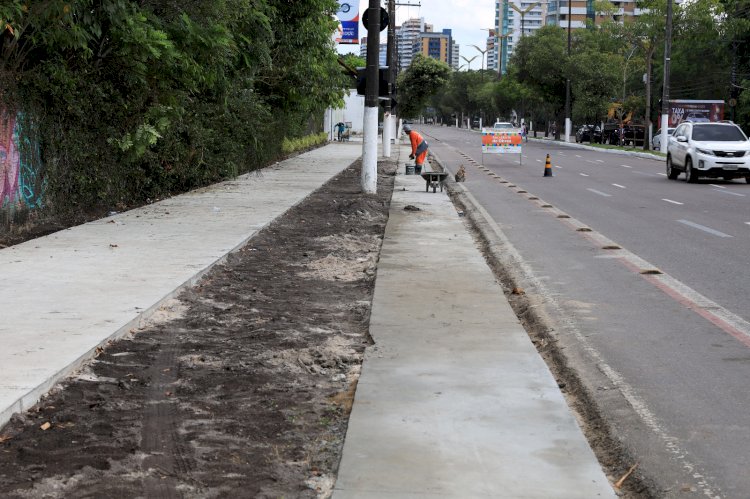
(421, 80)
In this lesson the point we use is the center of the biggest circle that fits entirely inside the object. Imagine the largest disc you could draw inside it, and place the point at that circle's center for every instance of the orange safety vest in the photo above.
(416, 139)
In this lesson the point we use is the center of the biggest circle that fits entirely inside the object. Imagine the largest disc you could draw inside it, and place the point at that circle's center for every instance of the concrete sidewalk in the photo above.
(65, 294)
(453, 399)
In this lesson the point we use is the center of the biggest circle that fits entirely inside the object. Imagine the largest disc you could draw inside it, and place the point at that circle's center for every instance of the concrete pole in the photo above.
(665, 93)
(370, 128)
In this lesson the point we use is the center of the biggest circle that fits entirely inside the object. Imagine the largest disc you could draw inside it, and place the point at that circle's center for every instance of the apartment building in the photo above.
(513, 20)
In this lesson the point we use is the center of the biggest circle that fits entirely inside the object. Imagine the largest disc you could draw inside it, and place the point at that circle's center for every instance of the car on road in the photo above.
(589, 133)
(656, 139)
(715, 150)
(503, 125)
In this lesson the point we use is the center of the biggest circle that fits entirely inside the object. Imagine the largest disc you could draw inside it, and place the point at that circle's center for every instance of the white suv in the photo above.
(716, 150)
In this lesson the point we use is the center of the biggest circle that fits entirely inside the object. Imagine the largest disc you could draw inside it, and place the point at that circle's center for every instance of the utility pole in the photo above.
(370, 128)
(568, 122)
(390, 62)
(665, 91)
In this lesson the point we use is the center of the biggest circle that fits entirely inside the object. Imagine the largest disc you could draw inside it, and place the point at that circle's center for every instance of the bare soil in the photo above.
(239, 387)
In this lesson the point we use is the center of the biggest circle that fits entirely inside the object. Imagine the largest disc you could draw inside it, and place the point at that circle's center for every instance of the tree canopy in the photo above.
(131, 100)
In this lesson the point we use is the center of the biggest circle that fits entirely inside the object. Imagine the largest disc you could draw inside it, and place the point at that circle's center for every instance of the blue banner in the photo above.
(348, 16)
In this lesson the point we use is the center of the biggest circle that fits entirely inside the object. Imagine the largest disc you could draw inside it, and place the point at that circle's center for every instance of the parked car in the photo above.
(656, 139)
(503, 124)
(719, 149)
(628, 135)
(589, 133)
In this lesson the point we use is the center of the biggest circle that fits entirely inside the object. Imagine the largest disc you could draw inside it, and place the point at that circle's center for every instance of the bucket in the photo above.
(410, 169)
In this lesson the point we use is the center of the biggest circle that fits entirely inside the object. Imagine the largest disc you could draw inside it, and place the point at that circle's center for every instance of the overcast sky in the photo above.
(464, 17)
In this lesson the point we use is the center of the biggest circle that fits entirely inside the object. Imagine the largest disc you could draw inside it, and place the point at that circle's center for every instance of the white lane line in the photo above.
(719, 186)
(538, 160)
(583, 174)
(703, 228)
(626, 166)
(600, 193)
(600, 161)
(557, 166)
(663, 174)
(620, 186)
(589, 161)
(734, 325)
(729, 192)
(578, 155)
(748, 223)
(670, 201)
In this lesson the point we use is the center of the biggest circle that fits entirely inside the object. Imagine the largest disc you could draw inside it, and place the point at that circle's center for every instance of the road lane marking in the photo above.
(724, 319)
(600, 193)
(719, 186)
(558, 166)
(728, 192)
(578, 155)
(589, 161)
(626, 166)
(583, 175)
(670, 201)
(620, 186)
(663, 174)
(704, 228)
(538, 160)
(600, 161)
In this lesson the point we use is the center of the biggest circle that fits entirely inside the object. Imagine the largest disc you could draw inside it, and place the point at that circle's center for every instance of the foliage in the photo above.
(289, 146)
(140, 99)
(421, 80)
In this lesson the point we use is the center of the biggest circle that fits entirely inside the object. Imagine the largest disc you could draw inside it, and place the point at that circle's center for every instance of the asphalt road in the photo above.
(668, 352)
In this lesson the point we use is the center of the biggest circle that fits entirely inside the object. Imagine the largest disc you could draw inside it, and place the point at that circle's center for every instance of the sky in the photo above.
(465, 17)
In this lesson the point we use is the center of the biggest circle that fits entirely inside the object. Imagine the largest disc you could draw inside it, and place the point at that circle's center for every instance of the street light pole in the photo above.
(481, 52)
(665, 92)
(568, 123)
(390, 51)
(369, 178)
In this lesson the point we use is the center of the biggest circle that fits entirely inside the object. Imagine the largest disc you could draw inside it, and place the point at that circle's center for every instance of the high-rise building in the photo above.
(435, 45)
(383, 51)
(406, 35)
(584, 10)
(491, 47)
(513, 20)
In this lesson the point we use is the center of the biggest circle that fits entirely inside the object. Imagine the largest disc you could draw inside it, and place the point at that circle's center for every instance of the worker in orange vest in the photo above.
(418, 148)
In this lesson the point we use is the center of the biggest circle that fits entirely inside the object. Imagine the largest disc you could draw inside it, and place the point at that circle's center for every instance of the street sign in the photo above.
(384, 18)
(501, 141)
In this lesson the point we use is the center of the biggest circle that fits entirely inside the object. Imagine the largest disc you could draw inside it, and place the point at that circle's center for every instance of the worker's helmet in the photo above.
(407, 129)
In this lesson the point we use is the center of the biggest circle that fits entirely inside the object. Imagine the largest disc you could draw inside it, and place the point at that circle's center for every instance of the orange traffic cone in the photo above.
(547, 167)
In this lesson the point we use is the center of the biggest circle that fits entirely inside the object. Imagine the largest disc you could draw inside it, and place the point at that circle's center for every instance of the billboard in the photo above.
(695, 110)
(348, 16)
(501, 141)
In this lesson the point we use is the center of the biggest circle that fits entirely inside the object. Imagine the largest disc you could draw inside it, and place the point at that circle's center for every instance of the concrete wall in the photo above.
(21, 180)
(353, 111)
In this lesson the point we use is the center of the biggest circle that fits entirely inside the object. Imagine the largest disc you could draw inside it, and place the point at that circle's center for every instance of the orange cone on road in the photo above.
(547, 167)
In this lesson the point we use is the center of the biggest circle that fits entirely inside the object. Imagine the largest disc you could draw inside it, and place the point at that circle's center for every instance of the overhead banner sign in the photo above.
(501, 141)
(695, 110)
(348, 16)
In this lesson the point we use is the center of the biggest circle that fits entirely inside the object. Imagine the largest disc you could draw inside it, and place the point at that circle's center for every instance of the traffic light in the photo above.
(382, 84)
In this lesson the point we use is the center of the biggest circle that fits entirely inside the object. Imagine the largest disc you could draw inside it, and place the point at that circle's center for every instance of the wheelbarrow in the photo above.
(434, 179)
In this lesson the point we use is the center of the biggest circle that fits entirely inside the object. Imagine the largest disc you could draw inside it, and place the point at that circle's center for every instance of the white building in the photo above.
(514, 19)
(406, 36)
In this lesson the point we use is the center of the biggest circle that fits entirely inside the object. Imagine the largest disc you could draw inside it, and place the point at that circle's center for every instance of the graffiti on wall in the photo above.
(21, 182)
